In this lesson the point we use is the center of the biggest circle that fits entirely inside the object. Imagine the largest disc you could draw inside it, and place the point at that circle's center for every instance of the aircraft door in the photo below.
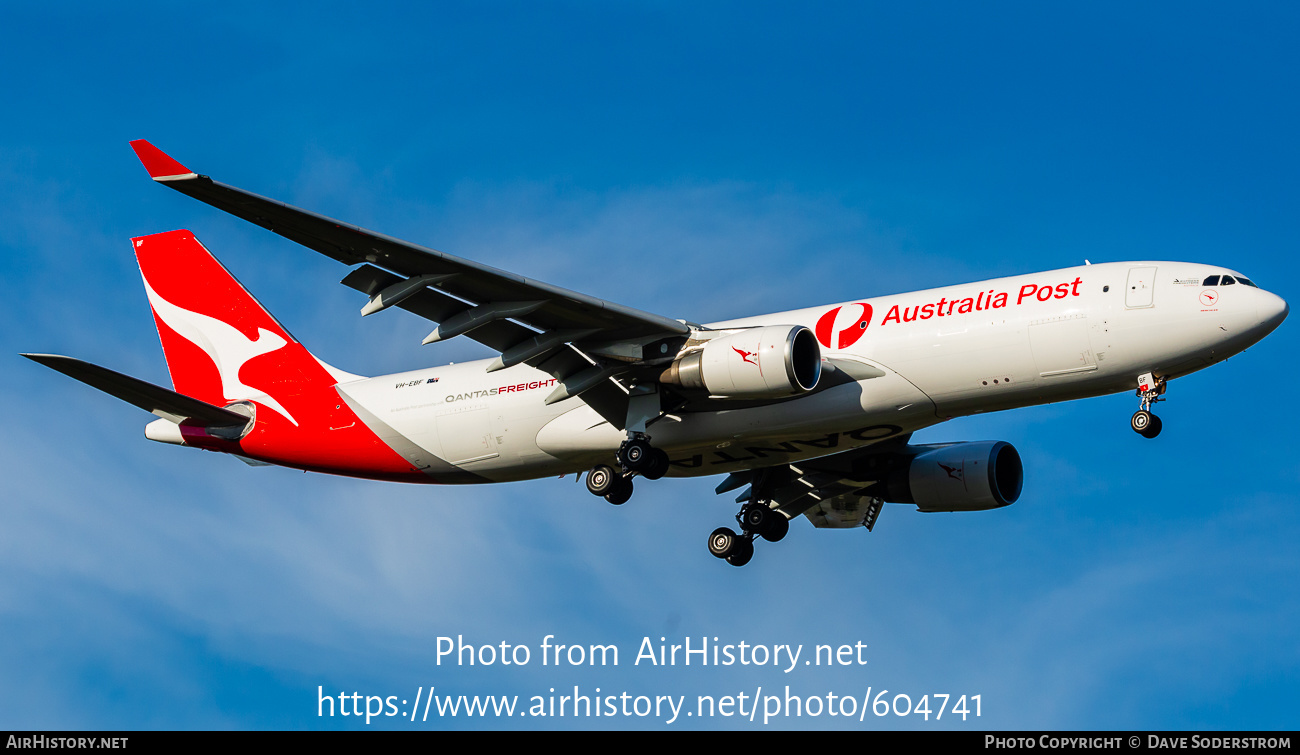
(1061, 346)
(1140, 291)
(466, 434)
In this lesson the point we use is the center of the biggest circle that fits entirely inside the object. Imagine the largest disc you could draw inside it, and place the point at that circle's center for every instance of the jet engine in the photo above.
(768, 362)
(959, 477)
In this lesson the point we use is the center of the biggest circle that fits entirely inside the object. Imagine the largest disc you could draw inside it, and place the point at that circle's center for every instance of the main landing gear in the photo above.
(1150, 390)
(635, 457)
(756, 519)
(611, 484)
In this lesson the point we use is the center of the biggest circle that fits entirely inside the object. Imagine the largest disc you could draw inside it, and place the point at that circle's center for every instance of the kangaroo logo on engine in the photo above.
(848, 333)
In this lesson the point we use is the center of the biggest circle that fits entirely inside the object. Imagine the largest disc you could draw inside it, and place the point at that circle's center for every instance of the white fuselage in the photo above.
(924, 357)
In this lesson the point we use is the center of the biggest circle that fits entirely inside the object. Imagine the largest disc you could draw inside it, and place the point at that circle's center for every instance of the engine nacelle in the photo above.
(769, 362)
(960, 477)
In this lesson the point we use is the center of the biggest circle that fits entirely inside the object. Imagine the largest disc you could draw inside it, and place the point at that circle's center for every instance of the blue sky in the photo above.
(699, 162)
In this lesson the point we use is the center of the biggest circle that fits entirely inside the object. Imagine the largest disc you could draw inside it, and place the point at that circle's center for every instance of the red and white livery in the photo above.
(808, 411)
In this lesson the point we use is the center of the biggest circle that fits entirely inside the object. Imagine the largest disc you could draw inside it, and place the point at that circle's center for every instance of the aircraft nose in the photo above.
(1272, 311)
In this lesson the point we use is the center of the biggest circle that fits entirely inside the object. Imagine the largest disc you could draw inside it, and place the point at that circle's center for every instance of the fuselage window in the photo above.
(1227, 281)
(1246, 282)
(1213, 280)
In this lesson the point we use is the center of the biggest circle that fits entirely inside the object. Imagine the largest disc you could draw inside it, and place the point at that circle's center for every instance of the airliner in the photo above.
(806, 412)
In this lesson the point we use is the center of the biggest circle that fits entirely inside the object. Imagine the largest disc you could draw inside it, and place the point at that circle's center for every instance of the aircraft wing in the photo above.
(152, 398)
(528, 321)
(836, 492)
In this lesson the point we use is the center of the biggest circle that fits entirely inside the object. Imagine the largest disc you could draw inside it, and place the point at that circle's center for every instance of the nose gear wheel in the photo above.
(1144, 422)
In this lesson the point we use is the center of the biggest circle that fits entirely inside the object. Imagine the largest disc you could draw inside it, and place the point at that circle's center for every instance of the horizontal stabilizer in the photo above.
(155, 399)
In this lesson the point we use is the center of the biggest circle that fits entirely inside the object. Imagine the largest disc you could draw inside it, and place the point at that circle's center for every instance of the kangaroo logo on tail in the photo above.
(225, 345)
(228, 349)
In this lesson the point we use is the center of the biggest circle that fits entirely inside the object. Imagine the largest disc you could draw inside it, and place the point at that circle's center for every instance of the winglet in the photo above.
(160, 165)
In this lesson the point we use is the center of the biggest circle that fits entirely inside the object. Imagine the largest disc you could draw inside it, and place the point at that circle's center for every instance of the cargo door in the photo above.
(465, 434)
(1061, 346)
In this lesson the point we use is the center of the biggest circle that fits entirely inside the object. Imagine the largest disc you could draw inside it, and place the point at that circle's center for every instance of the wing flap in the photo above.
(561, 362)
(437, 306)
(854, 508)
(838, 491)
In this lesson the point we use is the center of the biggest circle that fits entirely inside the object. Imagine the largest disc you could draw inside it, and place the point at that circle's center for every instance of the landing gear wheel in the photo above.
(761, 520)
(657, 466)
(1142, 422)
(636, 454)
(756, 517)
(776, 529)
(735, 549)
(621, 492)
(742, 552)
(1150, 389)
(601, 480)
(722, 542)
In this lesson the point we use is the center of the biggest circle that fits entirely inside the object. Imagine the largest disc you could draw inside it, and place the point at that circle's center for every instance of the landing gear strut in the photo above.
(756, 519)
(1150, 389)
(635, 456)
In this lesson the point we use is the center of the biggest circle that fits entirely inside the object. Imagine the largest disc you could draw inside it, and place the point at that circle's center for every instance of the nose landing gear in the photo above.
(1150, 389)
(1146, 424)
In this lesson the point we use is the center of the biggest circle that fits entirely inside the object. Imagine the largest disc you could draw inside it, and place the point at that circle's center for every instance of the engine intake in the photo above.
(960, 477)
(769, 362)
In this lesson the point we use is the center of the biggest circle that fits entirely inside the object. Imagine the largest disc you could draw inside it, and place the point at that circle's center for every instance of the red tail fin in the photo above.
(223, 346)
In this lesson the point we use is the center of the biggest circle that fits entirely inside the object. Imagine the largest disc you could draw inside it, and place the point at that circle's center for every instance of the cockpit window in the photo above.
(1227, 281)
(1213, 280)
(1246, 281)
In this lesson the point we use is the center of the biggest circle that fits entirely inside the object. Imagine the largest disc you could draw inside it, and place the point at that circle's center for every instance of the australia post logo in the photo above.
(841, 327)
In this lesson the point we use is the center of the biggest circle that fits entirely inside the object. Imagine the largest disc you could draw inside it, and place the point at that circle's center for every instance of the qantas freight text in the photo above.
(517, 388)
